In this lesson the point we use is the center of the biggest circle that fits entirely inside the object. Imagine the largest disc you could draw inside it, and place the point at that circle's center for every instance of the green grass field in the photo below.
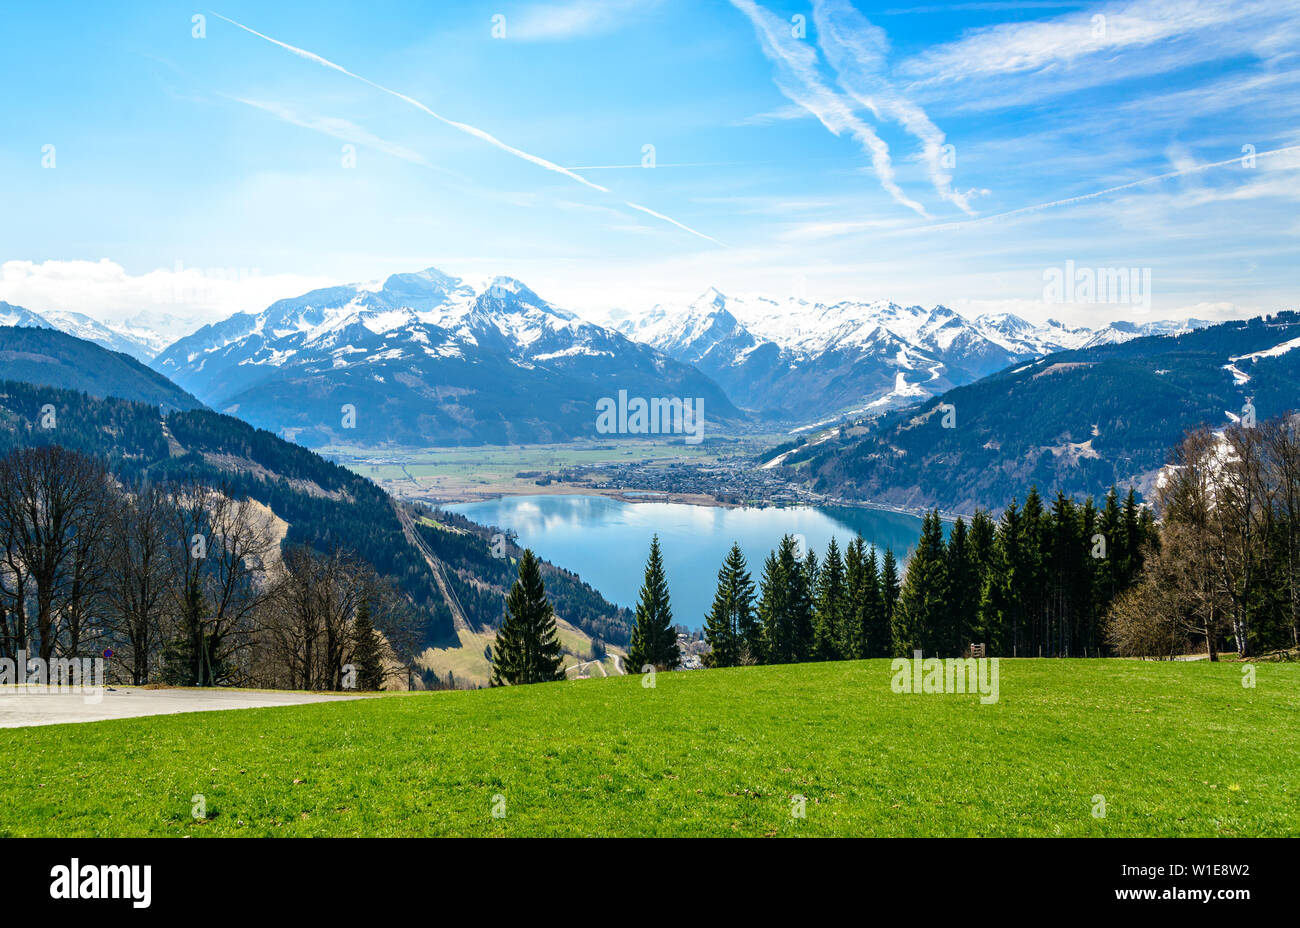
(1175, 749)
(453, 472)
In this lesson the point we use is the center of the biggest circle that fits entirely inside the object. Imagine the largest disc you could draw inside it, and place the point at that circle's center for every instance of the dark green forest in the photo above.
(327, 506)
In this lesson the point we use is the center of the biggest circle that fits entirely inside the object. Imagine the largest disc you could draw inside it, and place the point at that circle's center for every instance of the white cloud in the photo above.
(341, 129)
(857, 50)
(1021, 47)
(785, 113)
(172, 301)
(797, 77)
(1019, 63)
(809, 231)
(1185, 166)
(555, 21)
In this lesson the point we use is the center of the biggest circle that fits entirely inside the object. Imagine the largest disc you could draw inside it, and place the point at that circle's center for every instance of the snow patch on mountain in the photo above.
(113, 337)
(809, 358)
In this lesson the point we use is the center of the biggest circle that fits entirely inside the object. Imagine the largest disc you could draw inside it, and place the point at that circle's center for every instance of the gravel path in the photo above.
(19, 709)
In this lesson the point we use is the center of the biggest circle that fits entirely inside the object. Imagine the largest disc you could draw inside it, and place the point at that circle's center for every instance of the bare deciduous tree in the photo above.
(140, 590)
(309, 620)
(52, 514)
(219, 549)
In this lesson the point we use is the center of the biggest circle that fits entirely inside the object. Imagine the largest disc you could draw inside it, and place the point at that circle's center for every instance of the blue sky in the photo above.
(798, 147)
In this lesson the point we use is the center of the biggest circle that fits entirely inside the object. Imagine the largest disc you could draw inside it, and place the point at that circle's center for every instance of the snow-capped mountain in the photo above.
(795, 358)
(1080, 422)
(138, 344)
(18, 316)
(424, 358)
(1117, 332)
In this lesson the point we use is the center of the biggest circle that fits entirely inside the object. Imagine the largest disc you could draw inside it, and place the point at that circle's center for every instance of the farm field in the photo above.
(1174, 749)
(473, 472)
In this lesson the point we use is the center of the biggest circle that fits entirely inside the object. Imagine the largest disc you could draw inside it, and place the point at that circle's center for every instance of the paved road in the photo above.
(20, 710)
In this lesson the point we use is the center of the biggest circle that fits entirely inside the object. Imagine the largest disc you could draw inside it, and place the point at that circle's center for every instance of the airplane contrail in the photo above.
(463, 127)
(646, 209)
(1109, 190)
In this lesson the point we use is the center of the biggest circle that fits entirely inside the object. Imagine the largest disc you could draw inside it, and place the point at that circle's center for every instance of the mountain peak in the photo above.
(420, 289)
(711, 297)
(508, 285)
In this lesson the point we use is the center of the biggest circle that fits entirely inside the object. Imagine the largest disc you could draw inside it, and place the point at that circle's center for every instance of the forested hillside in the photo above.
(1079, 421)
(326, 506)
(55, 359)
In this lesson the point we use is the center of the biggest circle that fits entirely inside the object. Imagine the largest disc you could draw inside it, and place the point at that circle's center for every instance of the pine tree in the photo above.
(773, 607)
(889, 593)
(527, 648)
(785, 607)
(810, 574)
(1004, 599)
(831, 598)
(1090, 610)
(366, 652)
(730, 628)
(921, 608)
(963, 593)
(1062, 559)
(853, 639)
(803, 603)
(654, 642)
(877, 637)
(1030, 587)
(983, 556)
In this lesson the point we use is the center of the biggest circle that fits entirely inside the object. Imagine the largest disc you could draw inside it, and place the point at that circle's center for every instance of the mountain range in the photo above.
(796, 359)
(1078, 420)
(139, 342)
(425, 359)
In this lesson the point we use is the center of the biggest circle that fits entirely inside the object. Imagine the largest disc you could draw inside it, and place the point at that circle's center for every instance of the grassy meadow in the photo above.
(1174, 749)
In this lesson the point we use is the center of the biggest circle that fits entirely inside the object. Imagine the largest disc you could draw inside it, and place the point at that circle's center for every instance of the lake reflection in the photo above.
(605, 540)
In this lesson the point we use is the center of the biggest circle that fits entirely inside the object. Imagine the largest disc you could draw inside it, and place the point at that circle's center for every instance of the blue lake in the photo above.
(605, 540)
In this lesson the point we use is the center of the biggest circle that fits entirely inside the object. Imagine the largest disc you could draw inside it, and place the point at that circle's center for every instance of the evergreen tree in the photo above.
(366, 651)
(1089, 608)
(921, 610)
(963, 594)
(877, 636)
(654, 642)
(527, 648)
(832, 607)
(1063, 560)
(811, 573)
(183, 656)
(803, 604)
(1129, 539)
(1029, 580)
(983, 554)
(730, 628)
(785, 606)
(852, 641)
(1106, 579)
(773, 600)
(889, 593)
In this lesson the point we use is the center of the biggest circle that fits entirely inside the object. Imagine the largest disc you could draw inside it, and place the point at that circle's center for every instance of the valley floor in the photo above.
(611, 468)
(1071, 747)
